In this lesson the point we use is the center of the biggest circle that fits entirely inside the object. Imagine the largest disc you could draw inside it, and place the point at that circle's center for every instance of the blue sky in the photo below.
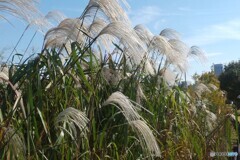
(212, 25)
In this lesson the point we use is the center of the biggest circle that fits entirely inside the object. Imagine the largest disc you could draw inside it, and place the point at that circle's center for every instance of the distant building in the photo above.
(217, 69)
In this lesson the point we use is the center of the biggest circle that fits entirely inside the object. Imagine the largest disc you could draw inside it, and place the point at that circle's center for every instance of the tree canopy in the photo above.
(230, 81)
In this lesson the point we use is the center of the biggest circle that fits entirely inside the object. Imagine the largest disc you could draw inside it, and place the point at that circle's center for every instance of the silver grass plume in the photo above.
(180, 51)
(67, 30)
(133, 46)
(146, 137)
(111, 8)
(73, 121)
(56, 16)
(200, 88)
(161, 48)
(169, 76)
(170, 34)
(197, 53)
(123, 103)
(144, 33)
(211, 120)
(24, 9)
(111, 76)
(139, 95)
(14, 143)
(44, 23)
(95, 28)
(212, 87)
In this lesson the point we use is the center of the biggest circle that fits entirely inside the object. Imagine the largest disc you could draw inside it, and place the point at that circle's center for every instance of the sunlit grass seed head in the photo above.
(124, 105)
(72, 120)
(112, 9)
(146, 137)
(170, 34)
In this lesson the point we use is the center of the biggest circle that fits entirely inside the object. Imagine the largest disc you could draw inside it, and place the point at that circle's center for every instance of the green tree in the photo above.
(230, 81)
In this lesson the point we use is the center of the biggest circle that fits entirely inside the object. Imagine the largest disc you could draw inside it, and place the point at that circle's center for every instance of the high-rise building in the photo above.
(217, 69)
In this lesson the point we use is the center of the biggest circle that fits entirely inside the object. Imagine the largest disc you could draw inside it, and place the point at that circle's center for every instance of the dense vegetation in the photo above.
(102, 90)
(230, 81)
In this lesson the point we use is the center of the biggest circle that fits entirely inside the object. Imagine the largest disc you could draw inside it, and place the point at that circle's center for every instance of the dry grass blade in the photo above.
(146, 137)
(74, 119)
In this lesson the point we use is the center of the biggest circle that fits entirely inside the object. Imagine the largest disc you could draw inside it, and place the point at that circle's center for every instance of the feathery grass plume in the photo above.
(111, 8)
(161, 48)
(123, 103)
(180, 51)
(24, 9)
(212, 87)
(133, 46)
(43, 23)
(57, 16)
(103, 41)
(199, 88)
(72, 120)
(111, 76)
(211, 120)
(197, 53)
(169, 76)
(15, 144)
(170, 34)
(144, 34)
(146, 137)
(139, 95)
(67, 30)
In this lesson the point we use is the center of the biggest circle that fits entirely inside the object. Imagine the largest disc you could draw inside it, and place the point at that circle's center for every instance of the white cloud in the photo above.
(144, 15)
(216, 33)
(151, 15)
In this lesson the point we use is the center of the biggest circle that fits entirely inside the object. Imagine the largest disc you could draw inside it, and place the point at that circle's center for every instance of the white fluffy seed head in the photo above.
(111, 76)
(69, 30)
(72, 120)
(169, 76)
(211, 120)
(146, 137)
(144, 34)
(124, 105)
(200, 88)
(139, 95)
(24, 9)
(170, 34)
(197, 53)
(111, 8)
